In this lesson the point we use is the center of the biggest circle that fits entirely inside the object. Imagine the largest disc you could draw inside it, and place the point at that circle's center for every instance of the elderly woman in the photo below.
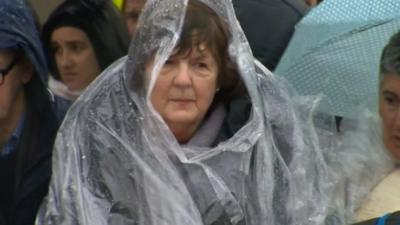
(189, 129)
(384, 198)
(82, 38)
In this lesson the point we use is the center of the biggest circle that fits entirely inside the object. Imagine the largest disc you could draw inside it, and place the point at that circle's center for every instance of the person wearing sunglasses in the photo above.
(29, 116)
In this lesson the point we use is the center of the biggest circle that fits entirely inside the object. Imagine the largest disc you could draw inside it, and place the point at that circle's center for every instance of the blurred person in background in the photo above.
(131, 10)
(81, 39)
(29, 116)
(313, 3)
(385, 197)
(269, 26)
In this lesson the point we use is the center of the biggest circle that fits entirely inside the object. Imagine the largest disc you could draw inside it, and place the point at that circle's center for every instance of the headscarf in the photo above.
(116, 161)
(18, 31)
(100, 20)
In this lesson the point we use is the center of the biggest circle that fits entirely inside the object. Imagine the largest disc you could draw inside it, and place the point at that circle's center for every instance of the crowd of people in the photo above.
(167, 112)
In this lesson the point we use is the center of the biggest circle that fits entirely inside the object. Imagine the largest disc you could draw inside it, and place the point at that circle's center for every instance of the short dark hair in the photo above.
(99, 20)
(390, 58)
(203, 26)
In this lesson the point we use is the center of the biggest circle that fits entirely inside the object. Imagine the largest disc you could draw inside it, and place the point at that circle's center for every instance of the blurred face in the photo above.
(75, 57)
(12, 85)
(389, 110)
(311, 2)
(132, 11)
(184, 90)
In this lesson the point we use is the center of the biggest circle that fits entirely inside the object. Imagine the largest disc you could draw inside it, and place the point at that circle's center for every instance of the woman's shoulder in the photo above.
(384, 198)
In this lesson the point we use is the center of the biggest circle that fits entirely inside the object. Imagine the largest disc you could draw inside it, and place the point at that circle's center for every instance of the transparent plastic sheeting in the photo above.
(335, 50)
(116, 162)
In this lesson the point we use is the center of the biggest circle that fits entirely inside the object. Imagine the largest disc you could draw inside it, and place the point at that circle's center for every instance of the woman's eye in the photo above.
(389, 100)
(169, 62)
(77, 48)
(201, 65)
(168, 65)
(55, 49)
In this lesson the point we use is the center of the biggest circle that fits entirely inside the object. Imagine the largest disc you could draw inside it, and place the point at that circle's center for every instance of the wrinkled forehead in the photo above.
(198, 49)
(390, 82)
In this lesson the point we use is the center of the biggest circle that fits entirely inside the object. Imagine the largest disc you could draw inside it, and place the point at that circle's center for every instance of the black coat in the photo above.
(269, 25)
(31, 164)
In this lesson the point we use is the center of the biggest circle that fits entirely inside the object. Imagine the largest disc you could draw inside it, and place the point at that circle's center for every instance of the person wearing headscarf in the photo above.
(81, 39)
(29, 116)
(193, 130)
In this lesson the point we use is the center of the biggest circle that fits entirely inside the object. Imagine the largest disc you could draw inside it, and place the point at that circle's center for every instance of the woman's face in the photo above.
(75, 57)
(184, 90)
(12, 85)
(132, 11)
(389, 110)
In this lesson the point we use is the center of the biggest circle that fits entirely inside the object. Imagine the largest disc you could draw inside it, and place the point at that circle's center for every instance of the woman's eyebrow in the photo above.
(74, 42)
(391, 93)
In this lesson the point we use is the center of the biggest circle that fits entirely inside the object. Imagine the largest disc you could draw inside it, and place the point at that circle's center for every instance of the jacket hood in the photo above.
(18, 31)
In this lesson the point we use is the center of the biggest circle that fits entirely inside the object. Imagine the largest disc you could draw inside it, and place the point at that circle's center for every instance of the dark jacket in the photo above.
(269, 25)
(25, 173)
(32, 163)
(390, 219)
(101, 22)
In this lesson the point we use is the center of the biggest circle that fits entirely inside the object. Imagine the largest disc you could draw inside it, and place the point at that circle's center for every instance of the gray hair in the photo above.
(390, 58)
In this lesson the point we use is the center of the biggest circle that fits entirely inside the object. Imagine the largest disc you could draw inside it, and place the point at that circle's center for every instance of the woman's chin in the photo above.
(181, 118)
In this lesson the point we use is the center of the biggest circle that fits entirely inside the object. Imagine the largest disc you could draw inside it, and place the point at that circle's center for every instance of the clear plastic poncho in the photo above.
(116, 161)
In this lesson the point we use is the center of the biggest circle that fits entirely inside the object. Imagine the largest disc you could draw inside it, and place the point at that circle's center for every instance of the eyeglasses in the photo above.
(5, 71)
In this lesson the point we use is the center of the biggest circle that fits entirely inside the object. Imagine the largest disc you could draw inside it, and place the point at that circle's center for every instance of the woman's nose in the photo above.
(182, 76)
(396, 121)
(64, 59)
